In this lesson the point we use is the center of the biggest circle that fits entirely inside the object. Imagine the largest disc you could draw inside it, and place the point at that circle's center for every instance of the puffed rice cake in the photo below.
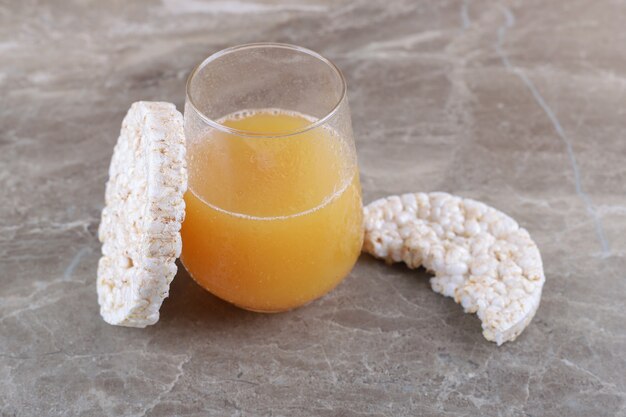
(141, 220)
(479, 255)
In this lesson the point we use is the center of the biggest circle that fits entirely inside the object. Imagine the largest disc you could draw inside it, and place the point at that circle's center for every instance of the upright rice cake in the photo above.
(141, 220)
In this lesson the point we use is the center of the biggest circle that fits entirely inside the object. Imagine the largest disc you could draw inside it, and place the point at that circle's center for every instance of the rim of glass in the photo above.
(246, 133)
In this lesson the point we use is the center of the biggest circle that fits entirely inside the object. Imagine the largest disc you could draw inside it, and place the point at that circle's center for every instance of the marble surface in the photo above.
(518, 104)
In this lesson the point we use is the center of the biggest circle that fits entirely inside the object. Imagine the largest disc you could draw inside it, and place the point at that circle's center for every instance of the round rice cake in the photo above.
(141, 220)
(479, 255)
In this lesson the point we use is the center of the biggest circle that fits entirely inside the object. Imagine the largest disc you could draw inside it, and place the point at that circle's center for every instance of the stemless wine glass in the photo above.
(274, 215)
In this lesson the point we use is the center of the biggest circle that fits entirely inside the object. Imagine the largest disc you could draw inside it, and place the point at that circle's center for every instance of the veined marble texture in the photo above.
(521, 104)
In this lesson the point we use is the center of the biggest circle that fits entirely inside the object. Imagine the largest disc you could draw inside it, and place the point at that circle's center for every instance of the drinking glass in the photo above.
(273, 208)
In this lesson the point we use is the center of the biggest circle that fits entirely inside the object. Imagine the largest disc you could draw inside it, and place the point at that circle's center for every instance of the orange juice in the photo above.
(271, 222)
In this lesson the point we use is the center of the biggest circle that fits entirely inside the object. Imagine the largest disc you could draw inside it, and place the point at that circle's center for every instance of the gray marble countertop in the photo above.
(518, 104)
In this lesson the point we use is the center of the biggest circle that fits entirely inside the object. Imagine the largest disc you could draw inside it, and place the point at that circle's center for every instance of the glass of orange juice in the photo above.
(274, 212)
